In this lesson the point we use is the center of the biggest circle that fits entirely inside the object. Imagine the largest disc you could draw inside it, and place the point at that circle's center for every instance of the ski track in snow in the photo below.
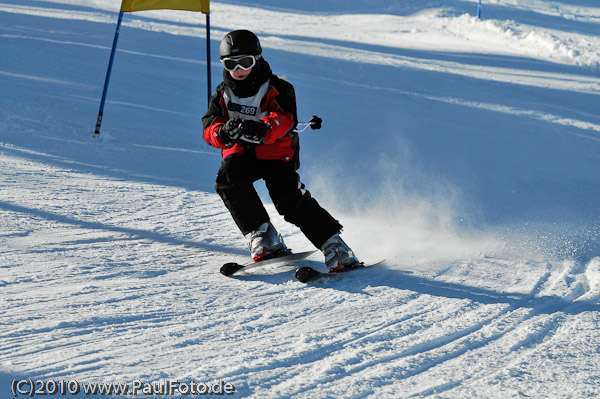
(109, 268)
(99, 293)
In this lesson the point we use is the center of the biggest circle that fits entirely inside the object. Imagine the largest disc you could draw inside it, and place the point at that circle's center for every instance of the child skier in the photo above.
(251, 118)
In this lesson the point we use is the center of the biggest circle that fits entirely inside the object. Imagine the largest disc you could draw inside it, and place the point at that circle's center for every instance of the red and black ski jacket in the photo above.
(264, 97)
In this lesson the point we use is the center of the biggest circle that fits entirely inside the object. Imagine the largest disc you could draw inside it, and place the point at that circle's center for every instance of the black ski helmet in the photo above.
(239, 42)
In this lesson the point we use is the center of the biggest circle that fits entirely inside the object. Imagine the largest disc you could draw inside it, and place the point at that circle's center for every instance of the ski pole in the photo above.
(314, 123)
(107, 79)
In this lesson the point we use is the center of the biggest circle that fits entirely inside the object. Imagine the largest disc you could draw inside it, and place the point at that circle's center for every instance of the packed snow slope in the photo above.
(465, 151)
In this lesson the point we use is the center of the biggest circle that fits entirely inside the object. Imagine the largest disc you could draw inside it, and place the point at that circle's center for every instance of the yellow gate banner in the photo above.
(187, 5)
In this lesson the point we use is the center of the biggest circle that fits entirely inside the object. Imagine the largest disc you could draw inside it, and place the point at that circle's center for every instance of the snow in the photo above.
(463, 151)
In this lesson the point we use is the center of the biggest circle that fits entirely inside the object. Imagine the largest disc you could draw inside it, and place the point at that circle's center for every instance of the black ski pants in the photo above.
(235, 185)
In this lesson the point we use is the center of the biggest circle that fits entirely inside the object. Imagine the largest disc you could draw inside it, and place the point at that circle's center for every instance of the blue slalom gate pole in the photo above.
(208, 83)
(479, 9)
(107, 79)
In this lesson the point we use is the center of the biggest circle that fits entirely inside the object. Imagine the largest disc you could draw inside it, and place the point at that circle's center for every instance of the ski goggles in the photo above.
(243, 62)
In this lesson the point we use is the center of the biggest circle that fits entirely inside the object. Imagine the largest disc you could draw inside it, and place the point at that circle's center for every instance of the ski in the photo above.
(231, 268)
(308, 274)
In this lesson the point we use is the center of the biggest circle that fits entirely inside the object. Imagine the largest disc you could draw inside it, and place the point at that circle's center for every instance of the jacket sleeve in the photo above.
(215, 117)
(281, 103)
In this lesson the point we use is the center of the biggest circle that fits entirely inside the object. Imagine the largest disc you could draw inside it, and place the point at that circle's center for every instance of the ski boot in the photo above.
(266, 243)
(338, 255)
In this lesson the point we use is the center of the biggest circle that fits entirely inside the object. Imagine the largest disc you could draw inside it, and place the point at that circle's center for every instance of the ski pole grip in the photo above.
(315, 122)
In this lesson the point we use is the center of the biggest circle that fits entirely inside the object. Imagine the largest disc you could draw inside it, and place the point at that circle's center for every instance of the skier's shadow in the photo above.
(380, 275)
(356, 281)
(284, 273)
(363, 280)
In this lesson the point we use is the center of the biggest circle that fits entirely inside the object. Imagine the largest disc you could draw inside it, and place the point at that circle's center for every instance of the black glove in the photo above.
(231, 131)
(253, 132)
